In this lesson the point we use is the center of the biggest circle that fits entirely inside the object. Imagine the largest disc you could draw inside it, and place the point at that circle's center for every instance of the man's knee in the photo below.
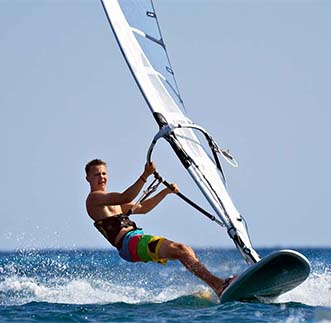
(183, 250)
(176, 250)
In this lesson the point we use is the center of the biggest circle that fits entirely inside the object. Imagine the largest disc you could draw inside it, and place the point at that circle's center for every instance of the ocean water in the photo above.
(98, 286)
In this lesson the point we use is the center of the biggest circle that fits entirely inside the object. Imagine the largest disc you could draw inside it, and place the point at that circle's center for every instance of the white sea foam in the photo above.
(20, 290)
(315, 291)
(17, 290)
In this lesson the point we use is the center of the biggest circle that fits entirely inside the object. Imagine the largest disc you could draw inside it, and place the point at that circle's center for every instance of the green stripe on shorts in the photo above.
(142, 248)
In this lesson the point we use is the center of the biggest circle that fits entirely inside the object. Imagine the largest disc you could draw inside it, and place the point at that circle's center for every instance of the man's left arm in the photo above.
(152, 202)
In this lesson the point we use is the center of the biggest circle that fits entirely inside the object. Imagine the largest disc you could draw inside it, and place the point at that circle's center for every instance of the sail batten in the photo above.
(137, 30)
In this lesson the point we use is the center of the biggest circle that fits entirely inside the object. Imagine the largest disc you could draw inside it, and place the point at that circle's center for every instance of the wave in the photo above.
(20, 290)
(16, 290)
(97, 277)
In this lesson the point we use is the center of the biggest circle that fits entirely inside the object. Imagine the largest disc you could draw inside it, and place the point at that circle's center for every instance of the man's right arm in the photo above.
(99, 198)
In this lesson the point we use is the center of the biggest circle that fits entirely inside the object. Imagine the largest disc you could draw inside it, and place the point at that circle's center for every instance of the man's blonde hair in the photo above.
(94, 162)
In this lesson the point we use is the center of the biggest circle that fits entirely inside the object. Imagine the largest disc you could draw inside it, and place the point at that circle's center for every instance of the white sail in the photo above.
(136, 28)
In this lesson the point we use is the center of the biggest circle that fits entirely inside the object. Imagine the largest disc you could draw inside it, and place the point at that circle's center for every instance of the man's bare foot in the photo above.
(226, 283)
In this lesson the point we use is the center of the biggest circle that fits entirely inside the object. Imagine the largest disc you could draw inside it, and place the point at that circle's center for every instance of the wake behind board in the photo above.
(272, 276)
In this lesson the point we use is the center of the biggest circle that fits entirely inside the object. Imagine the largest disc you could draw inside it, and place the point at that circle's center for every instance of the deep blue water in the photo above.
(98, 286)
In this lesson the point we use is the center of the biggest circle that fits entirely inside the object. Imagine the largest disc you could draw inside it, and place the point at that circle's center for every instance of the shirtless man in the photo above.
(110, 213)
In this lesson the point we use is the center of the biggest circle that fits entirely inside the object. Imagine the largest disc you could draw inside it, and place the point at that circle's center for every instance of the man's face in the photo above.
(97, 177)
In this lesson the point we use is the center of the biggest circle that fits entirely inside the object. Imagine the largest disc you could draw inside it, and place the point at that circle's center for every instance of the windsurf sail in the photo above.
(137, 31)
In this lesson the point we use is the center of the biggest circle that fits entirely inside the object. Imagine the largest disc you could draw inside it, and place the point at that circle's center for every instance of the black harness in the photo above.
(111, 226)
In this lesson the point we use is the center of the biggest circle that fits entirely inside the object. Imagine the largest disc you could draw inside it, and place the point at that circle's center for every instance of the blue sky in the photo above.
(256, 74)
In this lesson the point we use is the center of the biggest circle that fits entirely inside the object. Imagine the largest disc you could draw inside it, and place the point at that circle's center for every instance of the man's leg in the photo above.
(186, 255)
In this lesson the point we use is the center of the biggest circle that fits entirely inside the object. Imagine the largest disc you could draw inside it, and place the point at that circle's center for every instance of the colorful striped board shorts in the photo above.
(137, 246)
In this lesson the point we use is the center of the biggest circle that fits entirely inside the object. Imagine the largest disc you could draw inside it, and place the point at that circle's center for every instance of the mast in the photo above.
(137, 31)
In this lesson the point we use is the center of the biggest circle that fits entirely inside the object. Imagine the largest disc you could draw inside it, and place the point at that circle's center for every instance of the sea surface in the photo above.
(98, 286)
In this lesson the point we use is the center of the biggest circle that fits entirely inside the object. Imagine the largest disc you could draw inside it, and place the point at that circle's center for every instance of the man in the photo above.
(111, 211)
